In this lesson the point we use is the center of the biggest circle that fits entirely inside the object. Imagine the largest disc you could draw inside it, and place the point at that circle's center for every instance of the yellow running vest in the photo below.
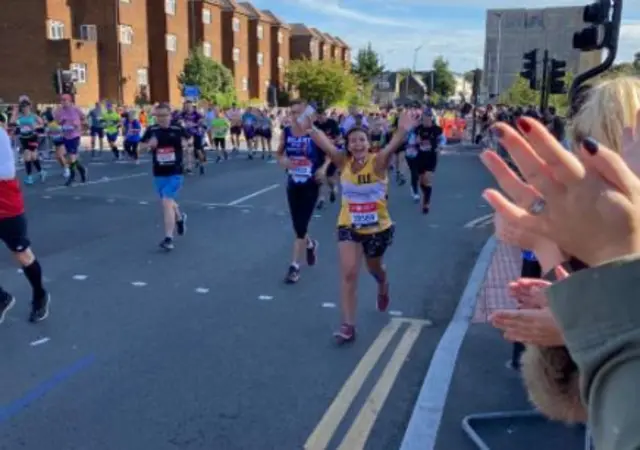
(364, 199)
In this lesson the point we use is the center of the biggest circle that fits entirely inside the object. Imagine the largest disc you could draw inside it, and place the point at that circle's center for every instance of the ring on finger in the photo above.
(538, 206)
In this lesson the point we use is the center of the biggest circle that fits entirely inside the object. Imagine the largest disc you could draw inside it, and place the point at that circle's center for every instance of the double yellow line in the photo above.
(357, 436)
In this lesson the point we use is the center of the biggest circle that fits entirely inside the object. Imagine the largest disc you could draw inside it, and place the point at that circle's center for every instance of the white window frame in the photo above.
(126, 34)
(245, 84)
(88, 33)
(280, 37)
(143, 76)
(170, 7)
(79, 72)
(280, 62)
(235, 24)
(206, 16)
(236, 54)
(55, 29)
(171, 42)
(206, 49)
(260, 58)
(260, 32)
(125, 1)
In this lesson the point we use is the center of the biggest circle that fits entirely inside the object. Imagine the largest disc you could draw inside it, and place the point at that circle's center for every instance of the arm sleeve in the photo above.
(7, 159)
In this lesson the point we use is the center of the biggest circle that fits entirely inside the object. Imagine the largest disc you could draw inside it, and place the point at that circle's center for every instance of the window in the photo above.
(280, 62)
(206, 49)
(88, 33)
(260, 32)
(245, 84)
(260, 59)
(56, 29)
(126, 34)
(79, 72)
(206, 15)
(236, 54)
(143, 77)
(311, 46)
(235, 24)
(171, 42)
(170, 7)
(125, 1)
(280, 37)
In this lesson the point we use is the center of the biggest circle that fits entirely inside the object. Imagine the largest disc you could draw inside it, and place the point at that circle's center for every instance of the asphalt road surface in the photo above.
(205, 347)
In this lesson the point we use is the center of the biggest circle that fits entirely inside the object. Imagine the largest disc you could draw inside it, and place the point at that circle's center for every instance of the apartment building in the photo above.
(333, 47)
(324, 45)
(259, 52)
(205, 27)
(279, 54)
(40, 38)
(344, 52)
(235, 45)
(168, 29)
(304, 43)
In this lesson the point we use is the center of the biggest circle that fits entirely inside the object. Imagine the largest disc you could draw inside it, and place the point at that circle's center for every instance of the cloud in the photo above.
(333, 8)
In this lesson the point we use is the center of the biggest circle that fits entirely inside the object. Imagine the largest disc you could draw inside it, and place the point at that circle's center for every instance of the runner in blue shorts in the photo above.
(167, 142)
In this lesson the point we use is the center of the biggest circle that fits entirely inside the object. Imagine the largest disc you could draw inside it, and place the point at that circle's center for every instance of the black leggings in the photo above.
(131, 148)
(302, 199)
(414, 167)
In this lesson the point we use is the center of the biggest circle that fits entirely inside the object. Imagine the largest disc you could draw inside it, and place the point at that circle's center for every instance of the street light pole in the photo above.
(498, 55)
(413, 68)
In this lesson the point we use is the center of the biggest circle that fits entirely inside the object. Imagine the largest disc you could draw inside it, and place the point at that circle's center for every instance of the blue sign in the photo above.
(192, 92)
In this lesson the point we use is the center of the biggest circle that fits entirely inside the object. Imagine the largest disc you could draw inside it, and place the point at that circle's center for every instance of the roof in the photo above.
(276, 19)
(342, 43)
(300, 29)
(255, 13)
(215, 2)
(330, 39)
(233, 5)
(317, 34)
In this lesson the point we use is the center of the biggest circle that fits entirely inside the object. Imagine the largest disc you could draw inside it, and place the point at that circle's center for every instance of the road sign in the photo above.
(191, 92)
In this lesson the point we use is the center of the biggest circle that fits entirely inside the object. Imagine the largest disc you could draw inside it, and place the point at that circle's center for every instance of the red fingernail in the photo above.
(523, 125)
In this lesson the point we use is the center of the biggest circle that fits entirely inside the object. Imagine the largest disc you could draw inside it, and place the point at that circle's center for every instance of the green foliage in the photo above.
(215, 81)
(519, 94)
(142, 97)
(444, 81)
(366, 66)
(324, 82)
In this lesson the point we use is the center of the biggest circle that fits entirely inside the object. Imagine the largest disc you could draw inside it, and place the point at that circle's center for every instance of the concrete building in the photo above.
(205, 27)
(168, 28)
(512, 32)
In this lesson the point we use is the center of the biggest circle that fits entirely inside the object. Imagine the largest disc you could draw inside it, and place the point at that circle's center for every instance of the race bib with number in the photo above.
(411, 152)
(166, 155)
(302, 169)
(68, 128)
(26, 129)
(363, 214)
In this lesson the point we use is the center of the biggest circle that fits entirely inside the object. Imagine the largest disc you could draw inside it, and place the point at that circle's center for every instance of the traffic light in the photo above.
(596, 14)
(530, 68)
(557, 74)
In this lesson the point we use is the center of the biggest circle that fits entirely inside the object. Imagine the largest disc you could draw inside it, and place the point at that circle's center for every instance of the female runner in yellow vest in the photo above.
(365, 228)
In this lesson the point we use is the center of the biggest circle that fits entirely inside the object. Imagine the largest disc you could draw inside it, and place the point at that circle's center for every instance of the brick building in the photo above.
(205, 27)
(280, 34)
(344, 52)
(259, 52)
(304, 43)
(235, 45)
(324, 44)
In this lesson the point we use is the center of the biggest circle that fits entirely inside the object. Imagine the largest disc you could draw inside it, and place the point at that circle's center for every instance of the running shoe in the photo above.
(312, 254)
(332, 196)
(6, 303)
(293, 275)
(320, 204)
(43, 176)
(201, 169)
(383, 297)
(40, 308)
(28, 180)
(84, 173)
(346, 333)
(167, 244)
(181, 225)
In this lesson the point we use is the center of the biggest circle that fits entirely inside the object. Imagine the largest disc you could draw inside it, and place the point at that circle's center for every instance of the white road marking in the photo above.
(202, 290)
(211, 207)
(20, 271)
(100, 181)
(138, 283)
(395, 313)
(422, 431)
(46, 197)
(328, 305)
(265, 297)
(142, 202)
(479, 220)
(40, 342)
(80, 277)
(254, 194)
(245, 211)
(317, 216)
(77, 197)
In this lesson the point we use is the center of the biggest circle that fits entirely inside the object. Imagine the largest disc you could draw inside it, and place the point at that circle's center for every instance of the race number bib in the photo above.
(411, 152)
(302, 169)
(363, 214)
(166, 155)
(26, 129)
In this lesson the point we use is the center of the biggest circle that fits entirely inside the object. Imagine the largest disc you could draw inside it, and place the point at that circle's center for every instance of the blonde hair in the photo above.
(610, 107)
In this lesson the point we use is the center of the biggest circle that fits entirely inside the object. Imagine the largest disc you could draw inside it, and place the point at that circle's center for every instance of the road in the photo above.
(205, 347)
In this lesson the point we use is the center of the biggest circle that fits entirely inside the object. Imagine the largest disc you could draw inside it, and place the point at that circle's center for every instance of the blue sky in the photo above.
(452, 28)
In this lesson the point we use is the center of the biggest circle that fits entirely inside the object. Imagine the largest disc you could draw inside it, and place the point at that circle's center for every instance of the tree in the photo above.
(215, 81)
(444, 81)
(636, 62)
(520, 94)
(366, 66)
(325, 82)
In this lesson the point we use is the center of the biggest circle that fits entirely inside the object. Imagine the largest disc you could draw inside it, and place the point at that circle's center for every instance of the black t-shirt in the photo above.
(429, 137)
(169, 155)
(329, 127)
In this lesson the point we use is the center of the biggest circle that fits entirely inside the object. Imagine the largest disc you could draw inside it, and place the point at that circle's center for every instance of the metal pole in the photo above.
(544, 88)
(498, 55)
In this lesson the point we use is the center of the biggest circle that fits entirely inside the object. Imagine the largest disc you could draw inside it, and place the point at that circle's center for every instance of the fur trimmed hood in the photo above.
(553, 383)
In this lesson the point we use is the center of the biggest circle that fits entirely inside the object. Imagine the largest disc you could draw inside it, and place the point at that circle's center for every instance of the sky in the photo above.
(452, 28)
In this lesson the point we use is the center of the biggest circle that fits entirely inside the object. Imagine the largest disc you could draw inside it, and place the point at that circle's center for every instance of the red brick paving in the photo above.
(493, 295)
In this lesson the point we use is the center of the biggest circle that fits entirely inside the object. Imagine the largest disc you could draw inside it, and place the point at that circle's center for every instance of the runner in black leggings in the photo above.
(298, 154)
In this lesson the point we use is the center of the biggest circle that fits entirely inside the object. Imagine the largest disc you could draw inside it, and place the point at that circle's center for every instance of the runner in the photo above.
(193, 122)
(27, 124)
(13, 232)
(71, 119)
(167, 142)
(235, 118)
(96, 124)
(132, 128)
(54, 132)
(428, 138)
(329, 172)
(112, 123)
(249, 123)
(219, 130)
(365, 228)
(265, 133)
(297, 153)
